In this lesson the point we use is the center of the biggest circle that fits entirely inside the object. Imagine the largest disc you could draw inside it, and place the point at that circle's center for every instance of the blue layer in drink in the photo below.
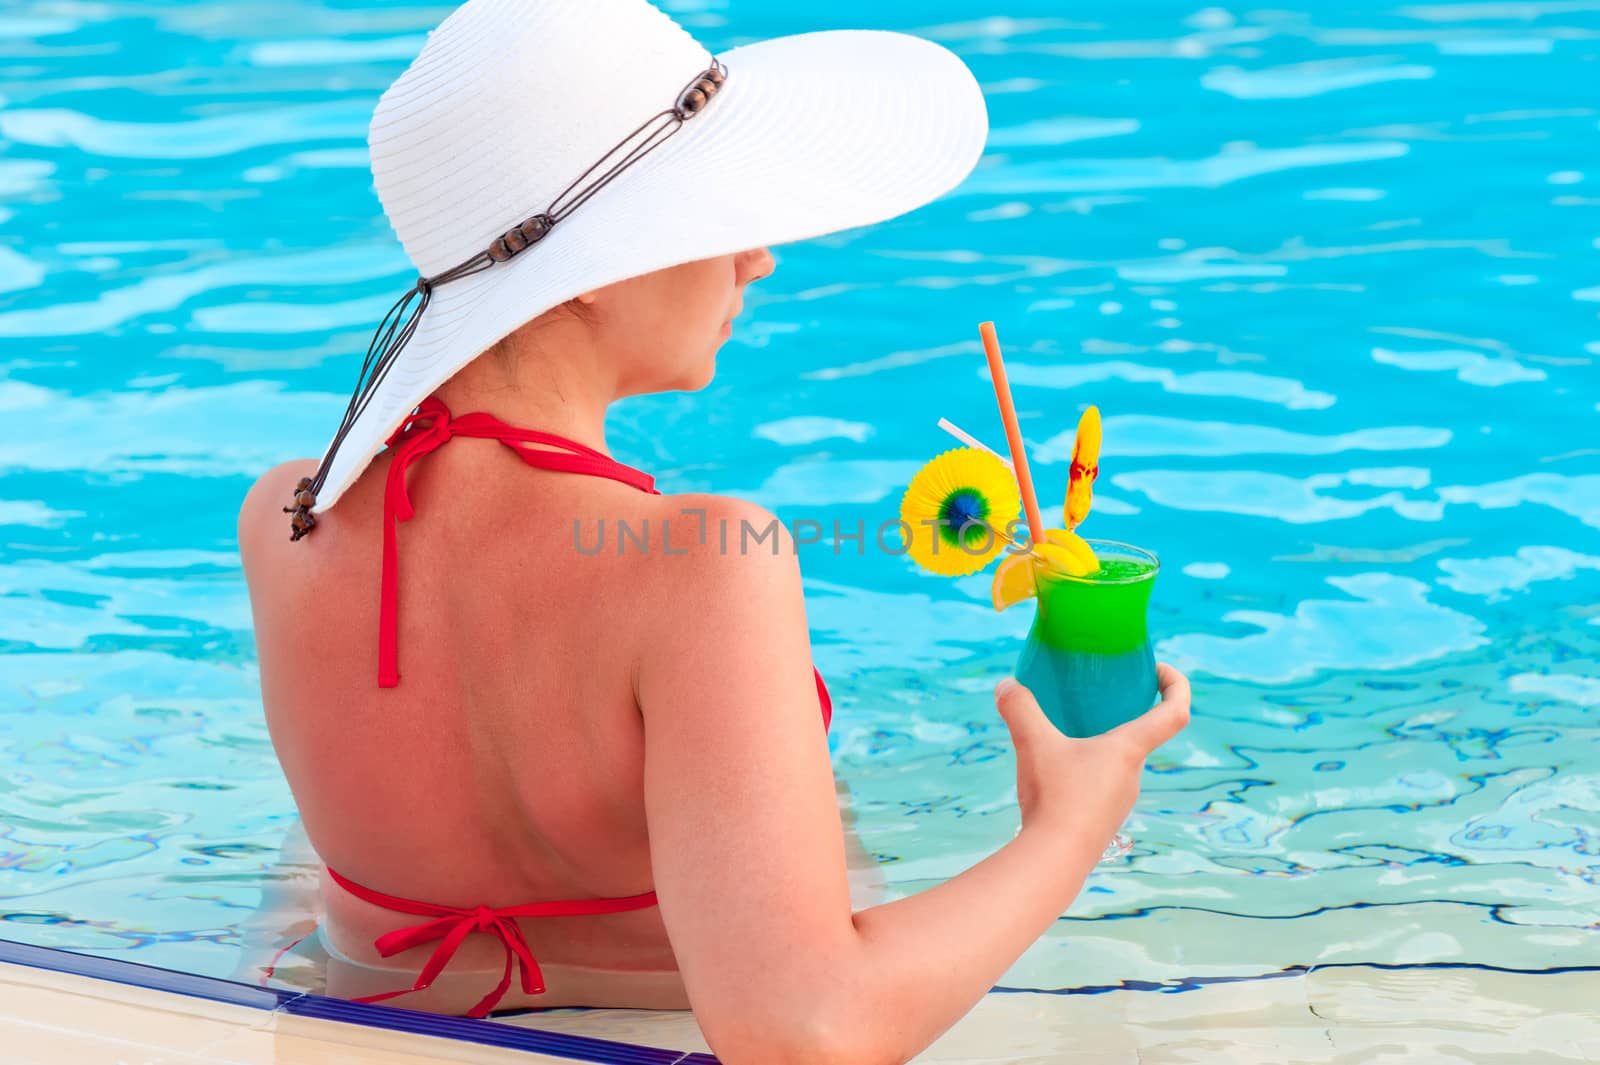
(1088, 659)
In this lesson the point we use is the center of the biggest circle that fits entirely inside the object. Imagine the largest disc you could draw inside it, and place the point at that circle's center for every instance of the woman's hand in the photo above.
(1087, 783)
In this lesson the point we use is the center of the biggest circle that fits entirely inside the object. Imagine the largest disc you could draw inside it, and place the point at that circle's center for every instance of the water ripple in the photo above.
(1142, 434)
(1282, 498)
(1471, 367)
(1333, 634)
(167, 292)
(1310, 79)
(1118, 175)
(199, 138)
(322, 51)
(235, 429)
(1241, 384)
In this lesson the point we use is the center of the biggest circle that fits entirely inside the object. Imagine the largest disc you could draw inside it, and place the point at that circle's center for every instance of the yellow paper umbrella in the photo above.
(958, 511)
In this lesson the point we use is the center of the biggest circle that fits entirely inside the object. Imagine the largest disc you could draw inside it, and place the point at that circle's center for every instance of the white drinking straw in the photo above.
(971, 441)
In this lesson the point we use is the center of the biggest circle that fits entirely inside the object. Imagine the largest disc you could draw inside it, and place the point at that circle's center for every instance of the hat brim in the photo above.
(812, 134)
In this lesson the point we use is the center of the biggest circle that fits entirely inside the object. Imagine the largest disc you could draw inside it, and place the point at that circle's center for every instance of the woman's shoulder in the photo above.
(703, 526)
(704, 548)
(261, 513)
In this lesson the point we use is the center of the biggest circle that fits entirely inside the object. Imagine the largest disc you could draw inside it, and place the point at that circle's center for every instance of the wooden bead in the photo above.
(305, 482)
(305, 499)
(707, 86)
(499, 251)
(302, 521)
(535, 228)
(694, 100)
(515, 240)
(716, 76)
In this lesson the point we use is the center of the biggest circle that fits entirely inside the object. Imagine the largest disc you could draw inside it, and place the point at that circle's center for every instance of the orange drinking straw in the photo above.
(1008, 415)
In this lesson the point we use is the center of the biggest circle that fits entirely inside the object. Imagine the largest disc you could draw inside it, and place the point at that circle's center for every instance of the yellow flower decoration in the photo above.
(957, 511)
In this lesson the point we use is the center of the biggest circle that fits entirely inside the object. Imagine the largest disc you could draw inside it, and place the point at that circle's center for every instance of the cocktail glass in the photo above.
(1088, 659)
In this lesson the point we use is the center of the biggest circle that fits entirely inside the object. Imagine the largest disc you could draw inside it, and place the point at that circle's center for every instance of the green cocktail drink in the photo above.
(1088, 659)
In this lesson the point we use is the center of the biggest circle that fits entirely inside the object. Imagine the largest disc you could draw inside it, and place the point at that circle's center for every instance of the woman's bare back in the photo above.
(507, 767)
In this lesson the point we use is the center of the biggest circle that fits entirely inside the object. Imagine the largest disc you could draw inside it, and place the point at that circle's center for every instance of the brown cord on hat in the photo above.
(396, 329)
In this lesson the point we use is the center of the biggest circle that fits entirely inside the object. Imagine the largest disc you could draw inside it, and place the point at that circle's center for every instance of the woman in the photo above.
(600, 778)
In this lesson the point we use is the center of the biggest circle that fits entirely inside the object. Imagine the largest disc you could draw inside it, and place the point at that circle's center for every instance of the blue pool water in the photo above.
(1332, 273)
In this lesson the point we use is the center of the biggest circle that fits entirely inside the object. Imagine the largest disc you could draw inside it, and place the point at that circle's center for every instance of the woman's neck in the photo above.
(560, 384)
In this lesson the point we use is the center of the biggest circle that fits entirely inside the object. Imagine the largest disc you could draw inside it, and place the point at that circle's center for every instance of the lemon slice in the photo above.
(1067, 552)
(1017, 578)
(1013, 581)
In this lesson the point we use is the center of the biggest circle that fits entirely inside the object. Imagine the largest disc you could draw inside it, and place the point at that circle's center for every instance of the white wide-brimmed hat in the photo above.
(505, 163)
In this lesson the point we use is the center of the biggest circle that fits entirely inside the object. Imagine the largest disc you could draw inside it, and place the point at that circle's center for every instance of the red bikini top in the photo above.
(428, 430)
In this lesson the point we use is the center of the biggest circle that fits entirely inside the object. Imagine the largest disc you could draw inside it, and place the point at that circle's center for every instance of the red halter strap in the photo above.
(453, 924)
(430, 429)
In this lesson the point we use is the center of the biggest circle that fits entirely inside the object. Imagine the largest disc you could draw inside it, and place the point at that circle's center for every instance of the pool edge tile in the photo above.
(276, 1002)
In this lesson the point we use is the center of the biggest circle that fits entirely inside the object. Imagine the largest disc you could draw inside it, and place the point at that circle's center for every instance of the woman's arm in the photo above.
(747, 847)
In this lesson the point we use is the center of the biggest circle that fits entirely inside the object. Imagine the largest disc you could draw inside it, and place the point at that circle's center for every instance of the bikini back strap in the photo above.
(452, 925)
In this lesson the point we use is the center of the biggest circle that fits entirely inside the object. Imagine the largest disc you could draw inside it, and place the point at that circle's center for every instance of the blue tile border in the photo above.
(488, 1033)
(557, 1044)
(461, 1029)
